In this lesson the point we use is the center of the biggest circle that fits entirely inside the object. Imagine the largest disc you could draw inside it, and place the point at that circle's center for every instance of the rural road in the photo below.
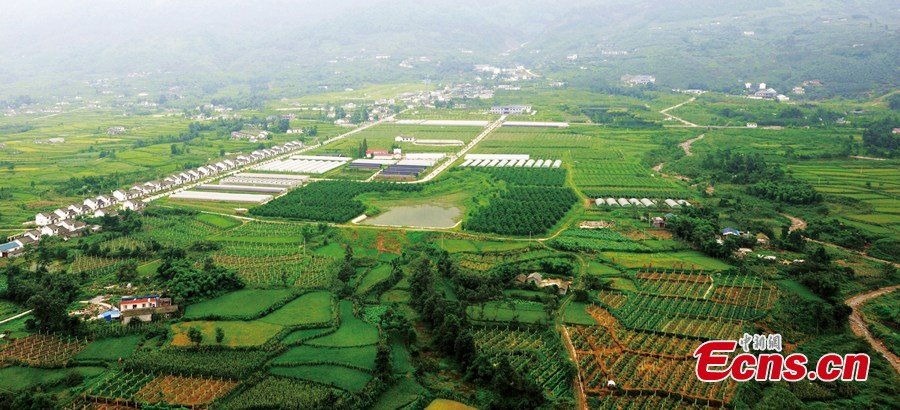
(860, 329)
(437, 171)
(15, 317)
(665, 112)
(686, 146)
(796, 223)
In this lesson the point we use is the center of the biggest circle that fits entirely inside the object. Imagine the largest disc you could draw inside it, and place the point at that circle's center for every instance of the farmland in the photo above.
(534, 297)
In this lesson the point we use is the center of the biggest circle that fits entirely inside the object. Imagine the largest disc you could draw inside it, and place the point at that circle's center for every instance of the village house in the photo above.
(115, 130)
(510, 109)
(144, 307)
(135, 206)
(43, 219)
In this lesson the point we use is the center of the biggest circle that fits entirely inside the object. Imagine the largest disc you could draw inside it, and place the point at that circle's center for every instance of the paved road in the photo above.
(858, 325)
(449, 162)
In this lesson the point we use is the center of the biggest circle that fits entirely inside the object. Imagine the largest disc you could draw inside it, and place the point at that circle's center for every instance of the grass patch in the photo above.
(500, 311)
(363, 356)
(576, 313)
(311, 308)
(112, 348)
(353, 331)
(237, 334)
(17, 378)
(687, 259)
(337, 376)
(399, 395)
(242, 303)
(219, 221)
(303, 334)
(375, 276)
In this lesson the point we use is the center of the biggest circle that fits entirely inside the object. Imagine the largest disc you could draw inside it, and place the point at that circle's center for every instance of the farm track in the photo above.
(15, 316)
(666, 113)
(858, 325)
(796, 223)
(437, 171)
(686, 146)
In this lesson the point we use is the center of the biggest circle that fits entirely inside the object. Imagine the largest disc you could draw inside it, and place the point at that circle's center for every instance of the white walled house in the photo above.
(43, 219)
(120, 195)
(91, 203)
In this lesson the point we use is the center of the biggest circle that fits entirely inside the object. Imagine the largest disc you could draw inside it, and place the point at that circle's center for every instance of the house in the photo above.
(50, 230)
(768, 93)
(91, 203)
(752, 125)
(510, 109)
(762, 239)
(61, 214)
(378, 153)
(135, 206)
(194, 174)
(730, 231)
(640, 79)
(658, 222)
(144, 307)
(151, 186)
(120, 195)
(43, 219)
(404, 138)
(105, 212)
(11, 249)
(895, 131)
(230, 163)
(135, 192)
(104, 201)
(115, 130)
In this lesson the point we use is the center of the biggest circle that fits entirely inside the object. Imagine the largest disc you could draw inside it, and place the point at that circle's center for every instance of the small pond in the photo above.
(419, 216)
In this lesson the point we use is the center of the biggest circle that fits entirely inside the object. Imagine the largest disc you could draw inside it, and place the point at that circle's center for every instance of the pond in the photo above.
(419, 216)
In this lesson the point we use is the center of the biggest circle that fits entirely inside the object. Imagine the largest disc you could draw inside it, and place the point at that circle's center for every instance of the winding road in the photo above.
(858, 325)
(666, 113)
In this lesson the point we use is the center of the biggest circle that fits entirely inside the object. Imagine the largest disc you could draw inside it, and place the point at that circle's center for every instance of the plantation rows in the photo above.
(231, 364)
(614, 300)
(92, 264)
(257, 229)
(275, 264)
(607, 191)
(146, 387)
(673, 287)
(175, 231)
(549, 177)
(743, 290)
(483, 261)
(522, 211)
(42, 350)
(636, 341)
(620, 181)
(328, 201)
(698, 308)
(601, 360)
(284, 393)
(676, 324)
(575, 244)
(529, 354)
(645, 401)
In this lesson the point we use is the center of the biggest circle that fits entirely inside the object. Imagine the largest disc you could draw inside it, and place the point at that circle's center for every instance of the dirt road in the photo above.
(860, 329)
(796, 223)
(686, 146)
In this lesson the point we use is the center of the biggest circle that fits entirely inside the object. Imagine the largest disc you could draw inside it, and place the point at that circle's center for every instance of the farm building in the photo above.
(672, 204)
(43, 219)
(730, 231)
(635, 202)
(646, 202)
(623, 202)
(11, 249)
(658, 222)
(599, 202)
(144, 307)
(535, 124)
(510, 109)
(612, 202)
(221, 197)
(241, 188)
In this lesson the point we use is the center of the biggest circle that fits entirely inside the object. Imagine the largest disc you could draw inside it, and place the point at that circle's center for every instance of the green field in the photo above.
(237, 334)
(329, 375)
(352, 332)
(363, 356)
(243, 303)
(311, 308)
(111, 349)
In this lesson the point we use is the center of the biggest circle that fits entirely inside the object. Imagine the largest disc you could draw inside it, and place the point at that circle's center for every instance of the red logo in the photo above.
(715, 364)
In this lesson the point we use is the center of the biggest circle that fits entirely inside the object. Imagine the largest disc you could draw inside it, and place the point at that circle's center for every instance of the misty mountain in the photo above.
(712, 43)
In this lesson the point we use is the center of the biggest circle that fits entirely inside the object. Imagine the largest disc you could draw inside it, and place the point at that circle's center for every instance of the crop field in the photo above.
(41, 350)
(175, 231)
(639, 361)
(344, 378)
(530, 352)
(355, 357)
(110, 349)
(690, 260)
(283, 392)
(352, 332)
(237, 334)
(506, 311)
(17, 378)
(230, 364)
(263, 264)
(382, 137)
(874, 183)
(314, 308)
(147, 388)
(244, 303)
(604, 162)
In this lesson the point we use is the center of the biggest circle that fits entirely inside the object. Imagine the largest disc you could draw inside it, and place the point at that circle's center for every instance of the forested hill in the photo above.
(717, 44)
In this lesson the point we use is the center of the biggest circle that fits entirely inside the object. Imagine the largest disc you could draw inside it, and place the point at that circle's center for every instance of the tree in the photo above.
(127, 272)
(383, 359)
(220, 335)
(174, 149)
(196, 336)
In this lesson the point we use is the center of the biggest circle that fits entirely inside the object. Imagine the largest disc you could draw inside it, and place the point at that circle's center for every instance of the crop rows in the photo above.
(601, 359)
(522, 211)
(529, 354)
(484, 261)
(175, 231)
(257, 229)
(275, 264)
(691, 286)
(328, 201)
(93, 264)
(551, 177)
(42, 350)
(636, 341)
(184, 390)
(623, 192)
(645, 401)
(698, 308)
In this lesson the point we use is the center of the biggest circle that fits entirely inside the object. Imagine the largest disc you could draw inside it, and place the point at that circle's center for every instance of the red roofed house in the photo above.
(143, 307)
(378, 153)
